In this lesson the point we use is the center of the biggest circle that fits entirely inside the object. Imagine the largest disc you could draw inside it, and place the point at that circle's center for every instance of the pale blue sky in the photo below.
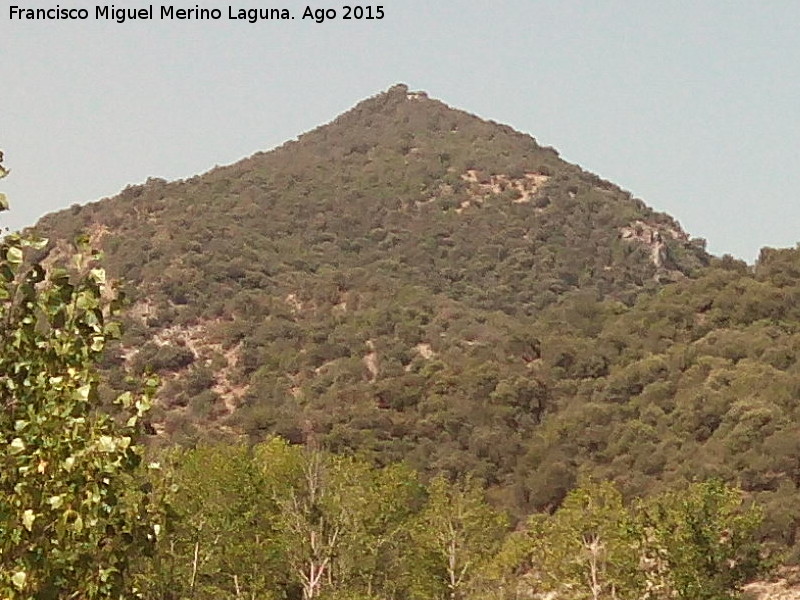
(693, 106)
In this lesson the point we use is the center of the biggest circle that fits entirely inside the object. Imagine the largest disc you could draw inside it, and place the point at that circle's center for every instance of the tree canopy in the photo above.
(72, 515)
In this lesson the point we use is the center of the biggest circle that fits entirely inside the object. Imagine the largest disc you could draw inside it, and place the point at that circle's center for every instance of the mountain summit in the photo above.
(462, 206)
(394, 282)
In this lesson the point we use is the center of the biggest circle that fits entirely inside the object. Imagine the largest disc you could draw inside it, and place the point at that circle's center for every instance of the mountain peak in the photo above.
(404, 162)
(401, 234)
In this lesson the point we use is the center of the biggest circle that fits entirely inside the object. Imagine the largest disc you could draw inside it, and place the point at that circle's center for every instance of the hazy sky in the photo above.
(693, 106)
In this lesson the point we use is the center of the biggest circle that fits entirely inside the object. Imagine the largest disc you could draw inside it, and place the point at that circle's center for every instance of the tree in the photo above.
(705, 540)
(695, 543)
(386, 499)
(340, 522)
(220, 541)
(456, 534)
(314, 521)
(72, 516)
(587, 549)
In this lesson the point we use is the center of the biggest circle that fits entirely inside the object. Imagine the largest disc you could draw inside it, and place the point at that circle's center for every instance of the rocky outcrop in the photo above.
(654, 237)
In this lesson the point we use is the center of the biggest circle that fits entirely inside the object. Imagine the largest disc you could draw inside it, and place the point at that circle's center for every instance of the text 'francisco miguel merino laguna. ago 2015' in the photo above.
(170, 12)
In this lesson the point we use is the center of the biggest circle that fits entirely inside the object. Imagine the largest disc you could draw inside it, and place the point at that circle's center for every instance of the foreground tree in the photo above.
(586, 550)
(454, 537)
(698, 543)
(71, 514)
(220, 539)
(322, 502)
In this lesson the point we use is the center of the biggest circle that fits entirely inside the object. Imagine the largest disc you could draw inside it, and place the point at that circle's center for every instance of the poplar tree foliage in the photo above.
(455, 534)
(72, 516)
(699, 543)
(340, 522)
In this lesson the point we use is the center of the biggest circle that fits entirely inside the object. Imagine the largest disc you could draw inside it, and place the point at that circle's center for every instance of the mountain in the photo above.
(410, 282)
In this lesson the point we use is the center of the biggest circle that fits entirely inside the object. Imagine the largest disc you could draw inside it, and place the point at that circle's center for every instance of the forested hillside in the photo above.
(412, 283)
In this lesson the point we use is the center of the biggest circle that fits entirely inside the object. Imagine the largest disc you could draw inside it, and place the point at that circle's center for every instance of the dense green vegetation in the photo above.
(81, 516)
(265, 285)
(449, 310)
(285, 521)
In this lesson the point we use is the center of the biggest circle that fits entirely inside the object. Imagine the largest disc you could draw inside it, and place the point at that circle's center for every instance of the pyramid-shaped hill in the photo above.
(401, 281)
(401, 187)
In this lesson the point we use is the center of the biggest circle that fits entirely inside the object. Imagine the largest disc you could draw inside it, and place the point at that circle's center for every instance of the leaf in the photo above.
(83, 392)
(106, 443)
(125, 399)
(77, 525)
(14, 255)
(98, 274)
(113, 330)
(18, 579)
(6, 272)
(27, 519)
(143, 405)
(37, 243)
(85, 301)
(16, 446)
(98, 342)
(3, 202)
